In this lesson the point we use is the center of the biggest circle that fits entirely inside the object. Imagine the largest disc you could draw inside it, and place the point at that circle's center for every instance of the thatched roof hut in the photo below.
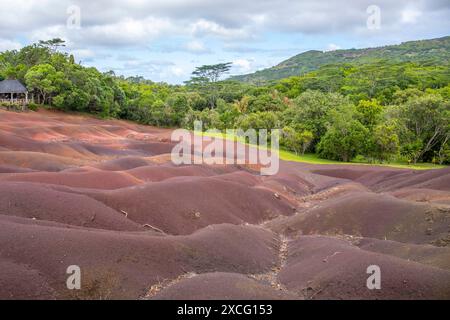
(12, 86)
(13, 91)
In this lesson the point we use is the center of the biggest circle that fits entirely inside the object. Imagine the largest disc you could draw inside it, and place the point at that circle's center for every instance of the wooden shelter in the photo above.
(13, 91)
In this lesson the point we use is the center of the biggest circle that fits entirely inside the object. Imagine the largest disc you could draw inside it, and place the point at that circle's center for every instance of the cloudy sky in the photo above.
(165, 40)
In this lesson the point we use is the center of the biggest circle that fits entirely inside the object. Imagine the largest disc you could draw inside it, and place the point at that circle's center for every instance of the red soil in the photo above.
(370, 215)
(325, 268)
(104, 195)
(219, 286)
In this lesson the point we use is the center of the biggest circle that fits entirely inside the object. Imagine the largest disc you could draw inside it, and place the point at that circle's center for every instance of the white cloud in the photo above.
(243, 65)
(6, 44)
(197, 46)
(83, 53)
(177, 71)
(332, 47)
(204, 27)
(54, 31)
(410, 15)
(127, 31)
(136, 22)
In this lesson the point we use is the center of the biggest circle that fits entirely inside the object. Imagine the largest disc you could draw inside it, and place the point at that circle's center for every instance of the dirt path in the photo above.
(166, 283)
(271, 277)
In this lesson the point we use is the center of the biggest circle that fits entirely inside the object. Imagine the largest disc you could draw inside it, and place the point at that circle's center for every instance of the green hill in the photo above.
(437, 50)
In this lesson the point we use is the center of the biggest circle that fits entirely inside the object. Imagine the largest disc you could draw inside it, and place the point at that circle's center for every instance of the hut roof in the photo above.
(12, 86)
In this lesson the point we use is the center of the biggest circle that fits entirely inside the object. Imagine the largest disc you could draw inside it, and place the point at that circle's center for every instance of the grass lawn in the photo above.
(314, 159)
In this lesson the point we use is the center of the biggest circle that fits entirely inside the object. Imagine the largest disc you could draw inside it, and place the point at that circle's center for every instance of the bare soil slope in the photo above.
(104, 195)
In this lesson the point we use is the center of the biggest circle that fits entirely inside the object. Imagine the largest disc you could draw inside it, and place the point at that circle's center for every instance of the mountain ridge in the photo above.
(437, 49)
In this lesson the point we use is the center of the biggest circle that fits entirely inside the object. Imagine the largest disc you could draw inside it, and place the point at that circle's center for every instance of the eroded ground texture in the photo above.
(104, 195)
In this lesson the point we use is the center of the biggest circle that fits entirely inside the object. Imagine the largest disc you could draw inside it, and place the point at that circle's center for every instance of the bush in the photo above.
(345, 139)
(11, 106)
(33, 106)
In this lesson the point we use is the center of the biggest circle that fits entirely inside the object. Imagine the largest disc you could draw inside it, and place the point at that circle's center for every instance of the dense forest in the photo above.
(377, 109)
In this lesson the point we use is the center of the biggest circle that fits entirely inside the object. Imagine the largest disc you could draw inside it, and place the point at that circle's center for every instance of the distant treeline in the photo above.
(379, 110)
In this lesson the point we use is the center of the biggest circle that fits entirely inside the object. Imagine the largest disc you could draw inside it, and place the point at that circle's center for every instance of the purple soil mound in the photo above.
(38, 161)
(40, 203)
(326, 268)
(423, 195)
(370, 215)
(104, 195)
(181, 206)
(20, 282)
(386, 179)
(219, 286)
(159, 173)
(126, 265)
(425, 254)
(106, 180)
(121, 164)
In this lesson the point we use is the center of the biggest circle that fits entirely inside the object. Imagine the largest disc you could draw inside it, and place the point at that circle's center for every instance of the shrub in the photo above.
(345, 139)
(33, 106)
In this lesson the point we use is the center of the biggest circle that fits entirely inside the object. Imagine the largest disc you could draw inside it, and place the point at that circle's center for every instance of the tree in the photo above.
(296, 140)
(266, 102)
(370, 112)
(210, 73)
(443, 155)
(411, 150)
(228, 113)
(258, 120)
(41, 78)
(158, 112)
(385, 143)
(402, 96)
(205, 80)
(426, 119)
(345, 138)
(310, 111)
(209, 118)
(52, 44)
(242, 105)
(178, 108)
